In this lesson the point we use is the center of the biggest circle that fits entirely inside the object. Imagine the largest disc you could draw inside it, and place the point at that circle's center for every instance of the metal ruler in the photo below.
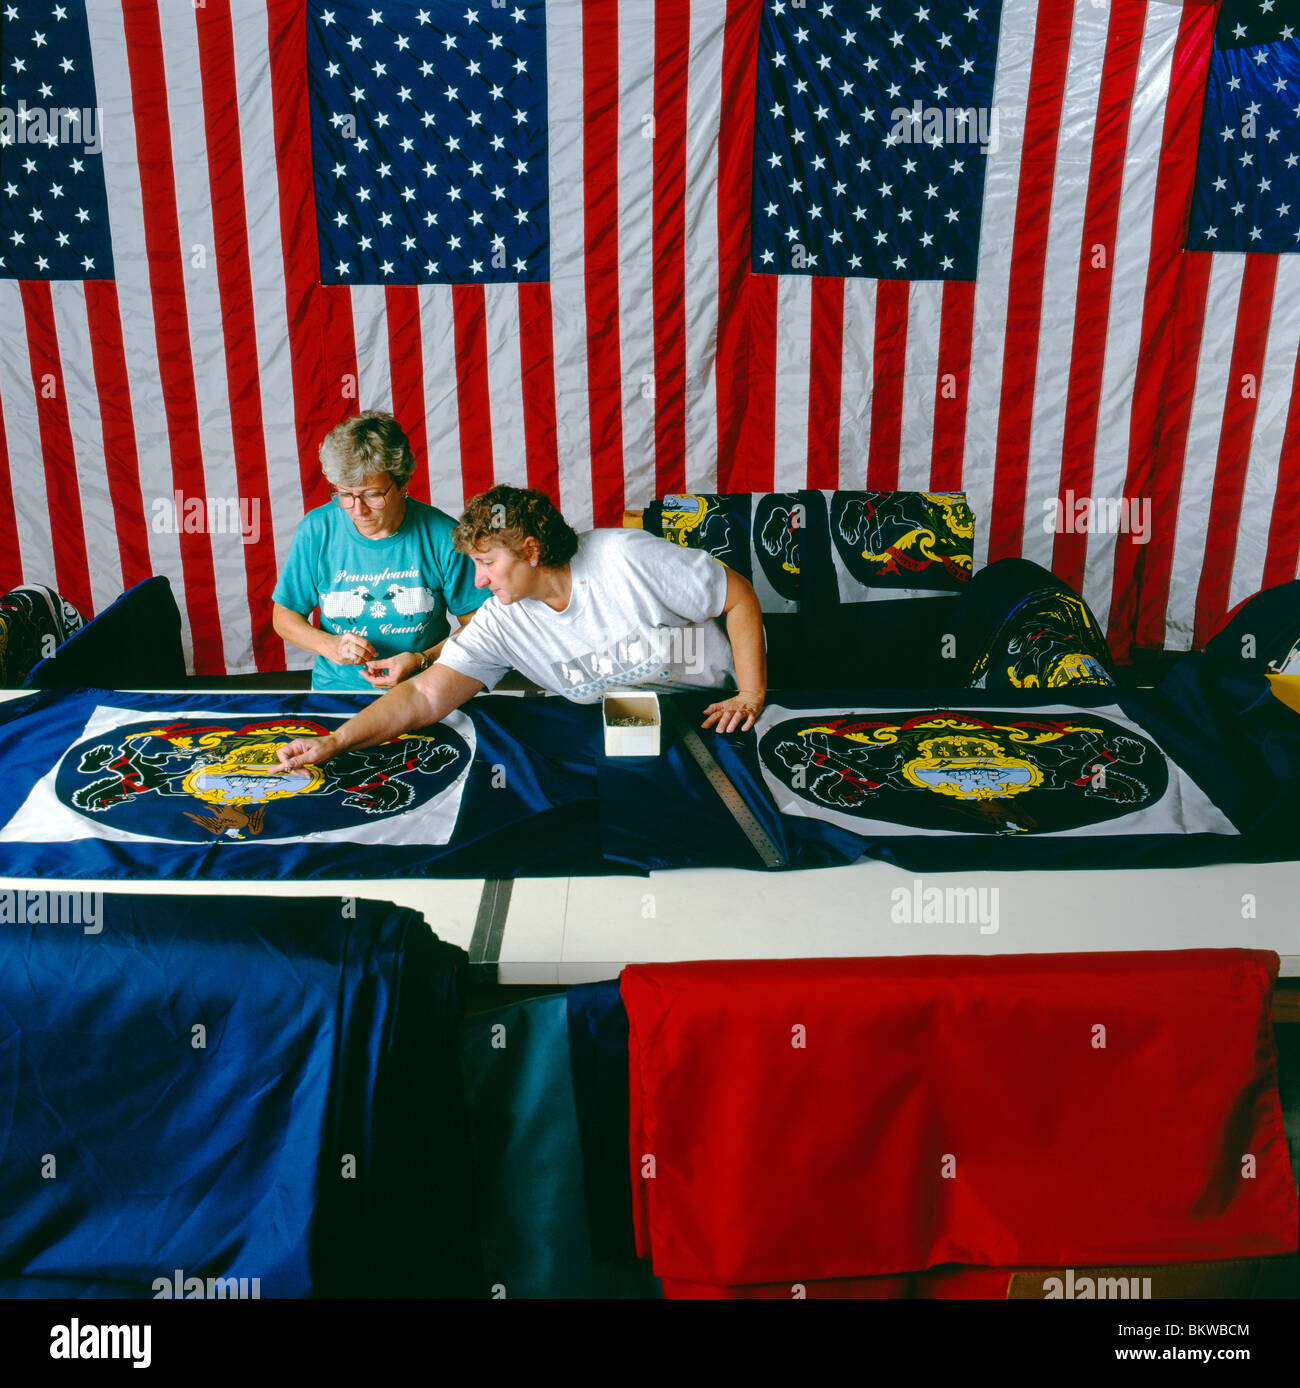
(770, 855)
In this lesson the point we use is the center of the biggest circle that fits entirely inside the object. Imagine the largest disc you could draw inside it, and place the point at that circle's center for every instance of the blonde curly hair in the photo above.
(507, 516)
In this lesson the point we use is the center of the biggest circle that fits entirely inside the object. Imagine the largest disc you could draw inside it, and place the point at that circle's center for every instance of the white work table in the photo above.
(562, 930)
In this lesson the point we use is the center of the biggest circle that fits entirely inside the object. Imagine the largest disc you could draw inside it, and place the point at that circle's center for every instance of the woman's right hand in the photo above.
(351, 648)
(306, 751)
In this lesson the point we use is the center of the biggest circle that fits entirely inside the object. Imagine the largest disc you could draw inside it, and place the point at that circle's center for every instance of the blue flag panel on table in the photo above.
(871, 129)
(429, 142)
(1247, 191)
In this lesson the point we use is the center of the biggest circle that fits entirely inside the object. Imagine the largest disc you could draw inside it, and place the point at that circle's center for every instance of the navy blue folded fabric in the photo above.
(598, 1055)
(1021, 627)
(1263, 632)
(232, 1087)
(134, 644)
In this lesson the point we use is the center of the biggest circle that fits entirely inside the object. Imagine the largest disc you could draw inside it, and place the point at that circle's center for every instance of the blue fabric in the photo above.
(1264, 631)
(1021, 627)
(396, 592)
(652, 821)
(134, 644)
(521, 787)
(598, 1033)
(528, 1158)
(329, 1036)
(523, 803)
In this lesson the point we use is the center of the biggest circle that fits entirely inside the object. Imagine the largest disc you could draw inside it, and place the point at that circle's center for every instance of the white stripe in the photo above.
(103, 555)
(266, 270)
(370, 324)
(135, 296)
(993, 275)
(1128, 292)
(636, 261)
(916, 436)
(1203, 433)
(189, 152)
(1275, 384)
(505, 384)
(856, 377)
(568, 294)
(441, 411)
(793, 360)
(703, 121)
(1059, 304)
(23, 440)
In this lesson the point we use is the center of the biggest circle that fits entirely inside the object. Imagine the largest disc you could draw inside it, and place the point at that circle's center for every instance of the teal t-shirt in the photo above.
(396, 592)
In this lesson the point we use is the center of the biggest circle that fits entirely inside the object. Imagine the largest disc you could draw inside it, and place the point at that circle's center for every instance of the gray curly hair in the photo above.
(370, 442)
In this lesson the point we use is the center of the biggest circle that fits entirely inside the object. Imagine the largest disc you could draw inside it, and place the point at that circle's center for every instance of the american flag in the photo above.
(1067, 334)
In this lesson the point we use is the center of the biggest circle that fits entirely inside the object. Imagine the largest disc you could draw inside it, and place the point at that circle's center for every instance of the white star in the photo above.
(387, 267)
(343, 268)
(87, 263)
(476, 266)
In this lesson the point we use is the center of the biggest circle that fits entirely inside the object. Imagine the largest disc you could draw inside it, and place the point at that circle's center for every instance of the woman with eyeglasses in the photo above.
(379, 564)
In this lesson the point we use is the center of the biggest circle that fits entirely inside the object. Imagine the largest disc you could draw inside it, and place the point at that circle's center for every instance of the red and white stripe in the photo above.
(1091, 355)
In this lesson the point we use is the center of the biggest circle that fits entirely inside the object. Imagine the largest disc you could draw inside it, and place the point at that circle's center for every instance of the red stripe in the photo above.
(62, 493)
(1236, 431)
(406, 368)
(952, 388)
(1163, 481)
(1025, 292)
(745, 389)
(826, 368)
(752, 466)
(889, 361)
(600, 183)
(672, 47)
(1093, 291)
(1173, 311)
(1282, 558)
(238, 324)
(341, 386)
(171, 319)
(537, 361)
(473, 398)
(11, 564)
(121, 458)
(315, 401)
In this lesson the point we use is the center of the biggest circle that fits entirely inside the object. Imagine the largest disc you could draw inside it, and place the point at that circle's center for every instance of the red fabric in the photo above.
(774, 1163)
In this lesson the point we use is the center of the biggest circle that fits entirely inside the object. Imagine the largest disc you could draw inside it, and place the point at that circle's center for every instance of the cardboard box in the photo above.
(639, 741)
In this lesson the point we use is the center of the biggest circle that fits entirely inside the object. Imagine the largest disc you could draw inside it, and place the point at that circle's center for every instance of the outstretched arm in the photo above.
(745, 632)
(427, 698)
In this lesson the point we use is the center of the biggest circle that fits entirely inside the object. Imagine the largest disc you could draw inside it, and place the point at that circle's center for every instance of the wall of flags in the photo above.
(1044, 252)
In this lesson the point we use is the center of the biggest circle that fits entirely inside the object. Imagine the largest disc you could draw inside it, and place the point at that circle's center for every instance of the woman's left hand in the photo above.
(389, 671)
(743, 705)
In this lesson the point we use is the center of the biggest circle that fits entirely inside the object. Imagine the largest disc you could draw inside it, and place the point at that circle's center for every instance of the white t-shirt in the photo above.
(640, 614)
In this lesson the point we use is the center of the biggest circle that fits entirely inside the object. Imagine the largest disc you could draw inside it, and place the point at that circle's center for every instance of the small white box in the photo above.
(639, 741)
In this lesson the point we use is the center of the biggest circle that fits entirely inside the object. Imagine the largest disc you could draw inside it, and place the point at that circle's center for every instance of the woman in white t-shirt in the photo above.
(577, 614)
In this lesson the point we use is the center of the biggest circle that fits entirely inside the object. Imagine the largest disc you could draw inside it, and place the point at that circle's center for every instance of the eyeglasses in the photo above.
(373, 500)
